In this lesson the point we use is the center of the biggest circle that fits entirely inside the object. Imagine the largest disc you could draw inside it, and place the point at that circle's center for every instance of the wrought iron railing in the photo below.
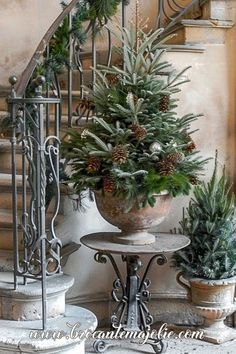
(35, 108)
(36, 246)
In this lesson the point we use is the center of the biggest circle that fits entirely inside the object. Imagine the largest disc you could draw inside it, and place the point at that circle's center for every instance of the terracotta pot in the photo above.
(135, 223)
(214, 301)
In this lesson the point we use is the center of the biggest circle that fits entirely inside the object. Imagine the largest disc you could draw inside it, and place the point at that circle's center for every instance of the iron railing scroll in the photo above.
(36, 246)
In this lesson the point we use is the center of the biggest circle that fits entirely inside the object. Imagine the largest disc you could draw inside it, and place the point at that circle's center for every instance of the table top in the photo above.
(104, 241)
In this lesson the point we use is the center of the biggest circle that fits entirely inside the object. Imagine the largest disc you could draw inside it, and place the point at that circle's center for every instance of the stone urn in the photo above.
(135, 223)
(213, 300)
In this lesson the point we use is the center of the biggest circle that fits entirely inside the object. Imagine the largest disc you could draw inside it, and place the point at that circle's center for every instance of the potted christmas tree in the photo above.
(136, 154)
(209, 262)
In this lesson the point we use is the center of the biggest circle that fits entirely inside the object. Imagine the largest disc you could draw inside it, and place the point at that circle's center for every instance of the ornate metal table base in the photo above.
(131, 313)
(100, 346)
(131, 296)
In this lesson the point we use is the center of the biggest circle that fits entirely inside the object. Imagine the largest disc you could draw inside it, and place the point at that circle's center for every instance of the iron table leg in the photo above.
(131, 313)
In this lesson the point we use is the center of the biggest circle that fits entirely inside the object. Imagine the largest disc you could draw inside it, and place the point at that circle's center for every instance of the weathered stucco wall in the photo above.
(23, 24)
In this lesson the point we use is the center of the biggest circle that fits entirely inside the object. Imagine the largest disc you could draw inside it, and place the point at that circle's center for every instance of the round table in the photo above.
(131, 294)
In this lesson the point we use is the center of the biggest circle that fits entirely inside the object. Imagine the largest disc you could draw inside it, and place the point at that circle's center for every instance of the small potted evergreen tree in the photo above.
(209, 262)
(137, 153)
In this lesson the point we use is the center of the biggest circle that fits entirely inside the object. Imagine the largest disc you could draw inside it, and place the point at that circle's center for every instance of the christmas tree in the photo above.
(211, 227)
(136, 146)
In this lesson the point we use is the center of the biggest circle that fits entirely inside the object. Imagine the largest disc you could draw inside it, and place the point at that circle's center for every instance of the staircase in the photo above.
(198, 30)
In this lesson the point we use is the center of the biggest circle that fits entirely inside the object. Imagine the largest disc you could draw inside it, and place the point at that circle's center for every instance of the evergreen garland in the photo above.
(54, 62)
(210, 225)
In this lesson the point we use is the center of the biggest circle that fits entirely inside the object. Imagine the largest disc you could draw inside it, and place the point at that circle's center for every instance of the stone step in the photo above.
(87, 64)
(64, 93)
(7, 258)
(6, 158)
(6, 231)
(28, 337)
(24, 303)
(219, 10)
(189, 32)
(5, 145)
(75, 101)
(6, 193)
(6, 239)
(5, 219)
(87, 78)
(3, 104)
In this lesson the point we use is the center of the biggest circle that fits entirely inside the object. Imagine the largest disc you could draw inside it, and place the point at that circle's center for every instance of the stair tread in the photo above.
(8, 277)
(207, 23)
(6, 178)
(193, 48)
(6, 181)
(54, 284)
(75, 93)
(3, 113)
(5, 218)
(5, 146)
(199, 31)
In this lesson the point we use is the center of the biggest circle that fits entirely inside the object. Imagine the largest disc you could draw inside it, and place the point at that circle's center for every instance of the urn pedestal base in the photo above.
(214, 329)
(213, 300)
(134, 238)
(207, 334)
(220, 336)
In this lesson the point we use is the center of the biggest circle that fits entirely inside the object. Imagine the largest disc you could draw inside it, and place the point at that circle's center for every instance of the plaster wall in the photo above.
(22, 25)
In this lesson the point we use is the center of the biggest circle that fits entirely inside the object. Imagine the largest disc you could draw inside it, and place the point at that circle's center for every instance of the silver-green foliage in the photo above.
(134, 98)
(210, 225)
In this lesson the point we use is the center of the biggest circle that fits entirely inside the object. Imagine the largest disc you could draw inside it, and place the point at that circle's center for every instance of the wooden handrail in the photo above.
(27, 73)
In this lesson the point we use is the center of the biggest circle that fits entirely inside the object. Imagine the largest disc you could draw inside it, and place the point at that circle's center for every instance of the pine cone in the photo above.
(164, 103)
(175, 157)
(191, 146)
(194, 180)
(135, 98)
(139, 131)
(119, 155)
(165, 168)
(112, 79)
(94, 164)
(108, 184)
